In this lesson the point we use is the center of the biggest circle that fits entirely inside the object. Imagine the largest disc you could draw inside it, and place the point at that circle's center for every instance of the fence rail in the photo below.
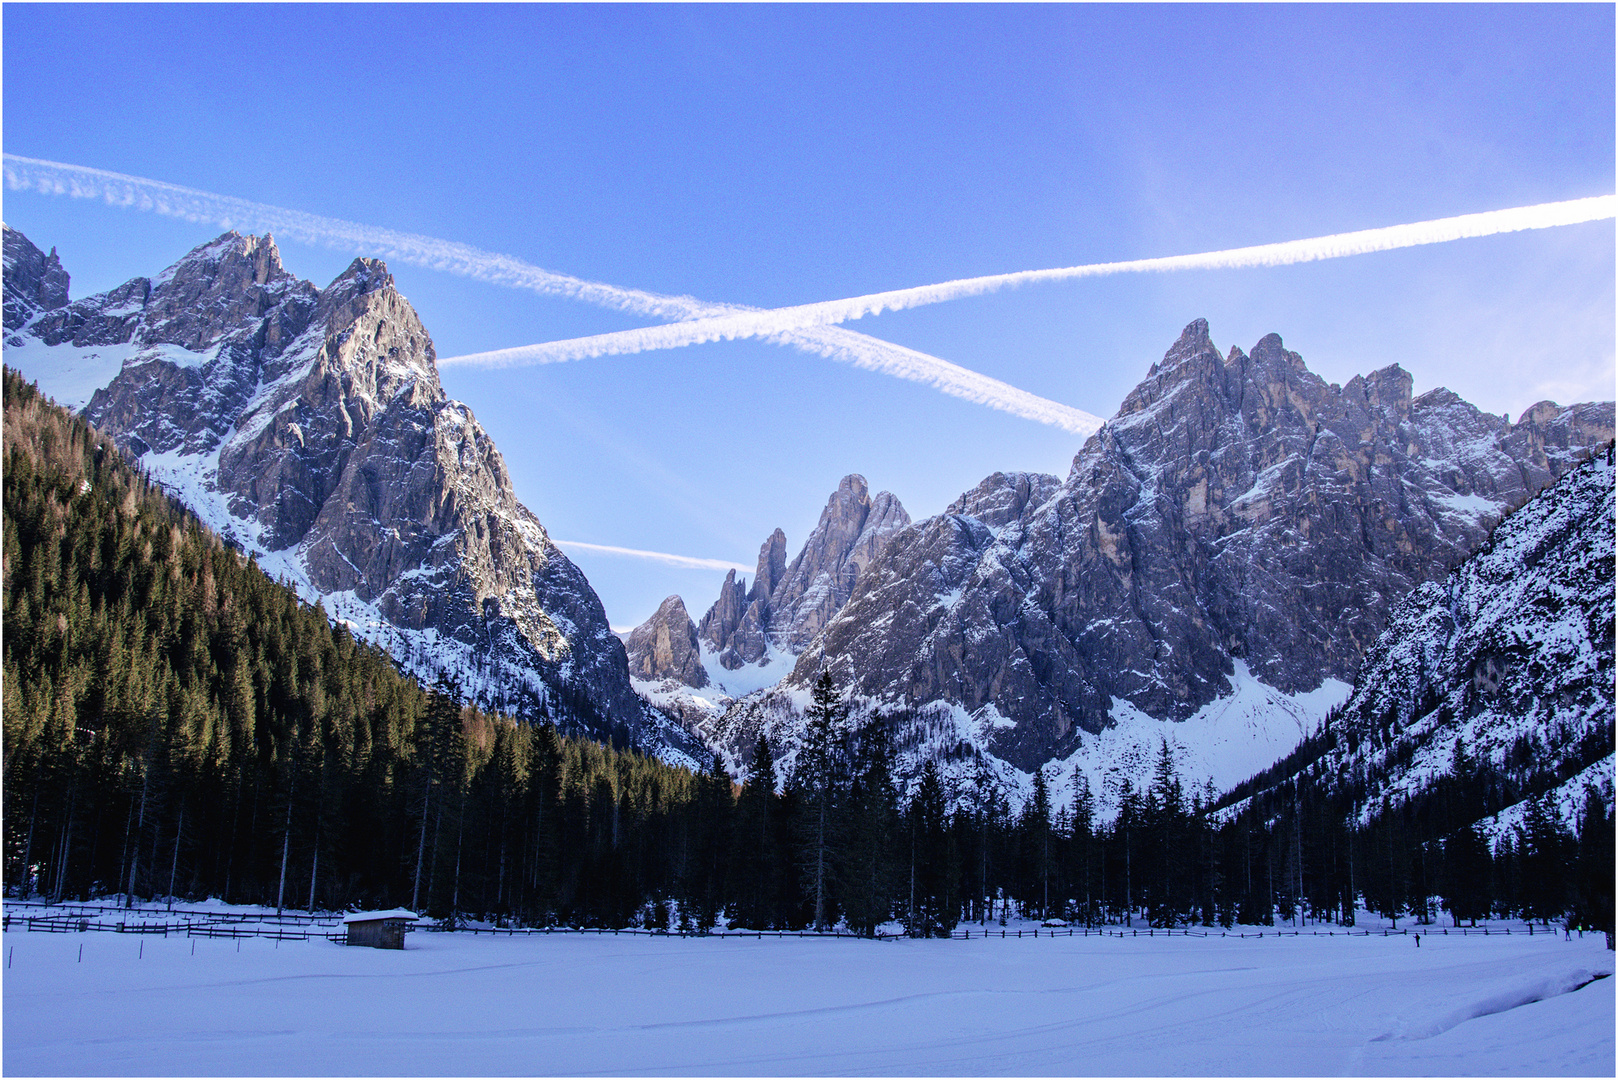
(94, 919)
(208, 931)
(288, 927)
(181, 914)
(641, 931)
(1172, 931)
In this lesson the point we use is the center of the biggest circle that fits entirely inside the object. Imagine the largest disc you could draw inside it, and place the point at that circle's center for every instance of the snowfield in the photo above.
(576, 1005)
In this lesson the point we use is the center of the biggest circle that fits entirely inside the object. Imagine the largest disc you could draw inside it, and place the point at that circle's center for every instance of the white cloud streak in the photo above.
(224, 211)
(685, 562)
(772, 323)
(845, 346)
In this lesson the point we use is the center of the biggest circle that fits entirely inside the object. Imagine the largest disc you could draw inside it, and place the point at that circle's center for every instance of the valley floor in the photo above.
(454, 1004)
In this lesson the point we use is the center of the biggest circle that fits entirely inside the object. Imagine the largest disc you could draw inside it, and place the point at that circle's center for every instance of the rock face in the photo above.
(666, 647)
(737, 627)
(1236, 508)
(750, 636)
(788, 605)
(308, 426)
(1509, 657)
(35, 282)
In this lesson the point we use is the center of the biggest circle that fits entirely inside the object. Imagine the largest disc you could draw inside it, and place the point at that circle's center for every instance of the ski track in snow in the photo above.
(583, 1005)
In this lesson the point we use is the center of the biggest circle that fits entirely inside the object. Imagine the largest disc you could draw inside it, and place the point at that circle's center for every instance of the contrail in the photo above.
(774, 322)
(683, 561)
(836, 343)
(190, 204)
(228, 212)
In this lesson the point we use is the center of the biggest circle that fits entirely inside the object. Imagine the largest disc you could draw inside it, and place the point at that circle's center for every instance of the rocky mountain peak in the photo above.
(34, 282)
(772, 566)
(665, 647)
(1388, 390)
(1236, 510)
(343, 300)
(789, 603)
(1190, 365)
(309, 427)
(1005, 497)
(218, 289)
(719, 625)
(822, 575)
(230, 258)
(1193, 340)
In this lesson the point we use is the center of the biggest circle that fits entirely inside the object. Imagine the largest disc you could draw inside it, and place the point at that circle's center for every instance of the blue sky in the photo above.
(787, 154)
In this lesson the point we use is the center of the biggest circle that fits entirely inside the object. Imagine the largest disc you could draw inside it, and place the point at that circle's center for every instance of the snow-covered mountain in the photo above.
(1227, 545)
(1490, 688)
(308, 426)
(1509, 658)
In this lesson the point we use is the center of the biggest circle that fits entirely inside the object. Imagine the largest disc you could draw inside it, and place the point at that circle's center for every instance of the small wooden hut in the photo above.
(378, 929)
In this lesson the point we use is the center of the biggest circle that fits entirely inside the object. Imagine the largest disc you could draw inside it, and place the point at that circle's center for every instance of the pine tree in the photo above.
(818, 775)
(755, 852)
(1593, 907)
(867, 869)
(934, 908)
(1037, 843)
(1082, 845)
(1543, 846)
(1466, 875)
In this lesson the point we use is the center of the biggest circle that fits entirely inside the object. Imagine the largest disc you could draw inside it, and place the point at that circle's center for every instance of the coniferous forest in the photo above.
(176, 724)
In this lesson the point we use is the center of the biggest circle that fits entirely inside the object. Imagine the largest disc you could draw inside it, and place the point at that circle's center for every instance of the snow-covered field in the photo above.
(577, 1005)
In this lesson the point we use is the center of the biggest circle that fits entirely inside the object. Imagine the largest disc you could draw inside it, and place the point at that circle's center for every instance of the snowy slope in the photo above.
(1224, 742)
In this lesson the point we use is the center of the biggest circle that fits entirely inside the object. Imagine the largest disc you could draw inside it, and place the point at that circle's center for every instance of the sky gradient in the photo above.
(781, 155)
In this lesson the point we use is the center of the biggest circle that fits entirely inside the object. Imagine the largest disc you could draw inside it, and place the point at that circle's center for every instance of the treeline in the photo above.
(1334, 840)
(176, 724)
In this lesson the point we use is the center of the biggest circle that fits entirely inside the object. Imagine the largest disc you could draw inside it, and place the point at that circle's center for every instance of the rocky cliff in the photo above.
(751, 635)
(1239, 519)
(789, 604)
(35, 282)
(309, 426)
(665, 647)
(1503, 669)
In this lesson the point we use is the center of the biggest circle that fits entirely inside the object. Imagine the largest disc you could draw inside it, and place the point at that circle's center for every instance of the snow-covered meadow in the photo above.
(455, 1004)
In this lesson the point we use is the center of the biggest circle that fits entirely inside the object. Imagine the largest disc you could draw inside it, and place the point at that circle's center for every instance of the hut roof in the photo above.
(374, 916)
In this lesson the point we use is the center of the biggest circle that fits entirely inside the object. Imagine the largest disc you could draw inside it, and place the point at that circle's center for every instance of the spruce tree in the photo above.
(1466, 875)
(818, 775)
(935, 905)
(1593, 908)
(866, 866)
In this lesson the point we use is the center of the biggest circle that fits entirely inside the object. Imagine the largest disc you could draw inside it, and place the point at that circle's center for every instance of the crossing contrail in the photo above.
(686, 562)
(773, 322)
(224, 211)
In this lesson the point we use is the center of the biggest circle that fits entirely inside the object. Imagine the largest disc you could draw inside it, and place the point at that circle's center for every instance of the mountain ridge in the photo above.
(309, 427)
(1238, 519)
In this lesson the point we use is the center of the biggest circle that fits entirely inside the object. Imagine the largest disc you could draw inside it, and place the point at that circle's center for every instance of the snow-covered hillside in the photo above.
(1223, 743)
(1503, 671)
